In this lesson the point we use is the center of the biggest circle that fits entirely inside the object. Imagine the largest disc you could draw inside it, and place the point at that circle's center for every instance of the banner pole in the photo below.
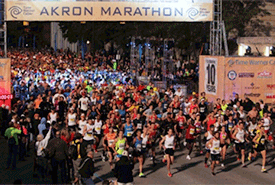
(5, 29)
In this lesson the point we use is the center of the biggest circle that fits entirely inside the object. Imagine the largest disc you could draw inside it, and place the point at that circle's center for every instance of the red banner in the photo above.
(5, 82)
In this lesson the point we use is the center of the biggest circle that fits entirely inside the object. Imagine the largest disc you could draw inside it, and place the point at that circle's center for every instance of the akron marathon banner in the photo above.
(5, 82)
(108, 10)
(252, 77)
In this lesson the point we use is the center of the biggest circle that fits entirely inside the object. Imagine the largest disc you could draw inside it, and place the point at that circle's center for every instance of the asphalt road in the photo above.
(183, 170)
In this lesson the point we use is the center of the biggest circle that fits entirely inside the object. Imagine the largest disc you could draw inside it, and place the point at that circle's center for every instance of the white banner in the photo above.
(210, 80)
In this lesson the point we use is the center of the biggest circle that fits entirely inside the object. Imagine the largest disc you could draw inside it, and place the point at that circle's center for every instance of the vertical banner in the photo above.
(211, 80)
(5, 82)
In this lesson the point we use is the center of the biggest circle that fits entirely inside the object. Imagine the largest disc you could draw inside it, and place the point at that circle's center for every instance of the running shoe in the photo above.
(213, 173)
(263, 170)
(164, 160)
(222, 165)
(244, 166)
(169, 175)
(249, 158)
(201, 152)
(238, 159)
(141, 175)
(188, 157)
(205, 165)
(96, 151)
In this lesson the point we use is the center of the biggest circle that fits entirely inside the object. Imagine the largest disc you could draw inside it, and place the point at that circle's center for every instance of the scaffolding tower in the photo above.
(217, 31)
(167, 65)
(134, 55)
(3, 28)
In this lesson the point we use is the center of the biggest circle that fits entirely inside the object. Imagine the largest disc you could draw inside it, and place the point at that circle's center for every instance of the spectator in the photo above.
(123, 170)
(58, 152)
(87, 169)
(11, 134)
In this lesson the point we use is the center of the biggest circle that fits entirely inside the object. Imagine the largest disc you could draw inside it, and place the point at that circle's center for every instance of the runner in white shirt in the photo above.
(88, 133)
(71, 119)
(98, 126)
(84, 104)
(81, 123)
(52, 116)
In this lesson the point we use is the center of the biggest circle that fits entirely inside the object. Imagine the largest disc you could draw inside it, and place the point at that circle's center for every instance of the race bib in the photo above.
(98, 128)
(72, 120)
(262, 141)
(181, 123)
(198, 129)
(192, 131)
(129, 134)
(89, 135)
(111, 142)
(230, 127)
(139, 146)
(139, 126)
(121, 146)
(223, 136)
(171, 144)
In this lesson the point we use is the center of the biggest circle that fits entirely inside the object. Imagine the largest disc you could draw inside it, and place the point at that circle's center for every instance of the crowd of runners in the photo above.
(92, 106)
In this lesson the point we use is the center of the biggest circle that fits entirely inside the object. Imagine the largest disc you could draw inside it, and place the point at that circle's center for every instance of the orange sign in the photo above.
(5, 81)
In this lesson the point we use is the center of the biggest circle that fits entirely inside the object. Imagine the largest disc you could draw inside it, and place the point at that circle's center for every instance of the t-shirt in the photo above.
(84, 102)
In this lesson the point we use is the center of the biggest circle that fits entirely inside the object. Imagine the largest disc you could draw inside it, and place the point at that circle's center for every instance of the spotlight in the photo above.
(272, 51)
(248, 50)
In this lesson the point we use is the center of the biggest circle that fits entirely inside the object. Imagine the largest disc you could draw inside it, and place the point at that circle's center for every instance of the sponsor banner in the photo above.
(251, 77)
(211, 80)
(154, 10)
(5, 82)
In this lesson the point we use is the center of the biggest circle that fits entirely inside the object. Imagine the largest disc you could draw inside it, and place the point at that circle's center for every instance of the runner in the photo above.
(239, 135)
(110, 138)
(267, 123)
(214, 146)
(88, 135)
(120, 145)
(169, 147)
(208, 136)
(224, 142)
(260, 140)
(98, 134)
(71, 120)
(139, 152)
(129, 129)
(190, 137)
(81, 123)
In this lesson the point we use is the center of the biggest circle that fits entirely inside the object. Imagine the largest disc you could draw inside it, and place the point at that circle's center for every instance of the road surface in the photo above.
(183, 170)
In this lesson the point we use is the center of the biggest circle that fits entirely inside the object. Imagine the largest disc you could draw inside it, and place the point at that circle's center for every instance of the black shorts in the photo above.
(72, 128)
(129, 139)
(240, 146)
(222, 145)
(215, 157)
(169, 151)
(260, 148)
(110, 150)
(98, 136)
(138, 153)
(190, 141)
(151, 145)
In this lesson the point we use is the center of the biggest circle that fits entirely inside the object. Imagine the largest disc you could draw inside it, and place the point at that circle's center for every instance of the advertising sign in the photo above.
(5, 82)
(211, 80)
(108, 10)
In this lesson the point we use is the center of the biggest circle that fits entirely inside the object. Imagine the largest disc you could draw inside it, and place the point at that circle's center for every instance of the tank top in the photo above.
(240, 136)
(215, 148)
(128, 130)
(71, 119)
(251, 129)
(111, 139)
(106, 130)
(198, 127)
(210, 122)
(181, 121)
(138, 144)
(169, 142)
(190, 132)
(53, 117)
(98, 125)
(120, 146)
(81, 125)
(209, 136)
(261, 141)
(266, 124)
(144, 140)
(89, 135)
(230, 125)
(223, 136)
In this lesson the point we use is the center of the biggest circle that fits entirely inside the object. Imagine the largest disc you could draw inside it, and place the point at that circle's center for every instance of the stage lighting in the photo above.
(248, 50)
(272, 51)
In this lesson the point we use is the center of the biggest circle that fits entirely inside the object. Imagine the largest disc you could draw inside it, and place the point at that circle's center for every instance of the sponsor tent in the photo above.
(252, 77)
